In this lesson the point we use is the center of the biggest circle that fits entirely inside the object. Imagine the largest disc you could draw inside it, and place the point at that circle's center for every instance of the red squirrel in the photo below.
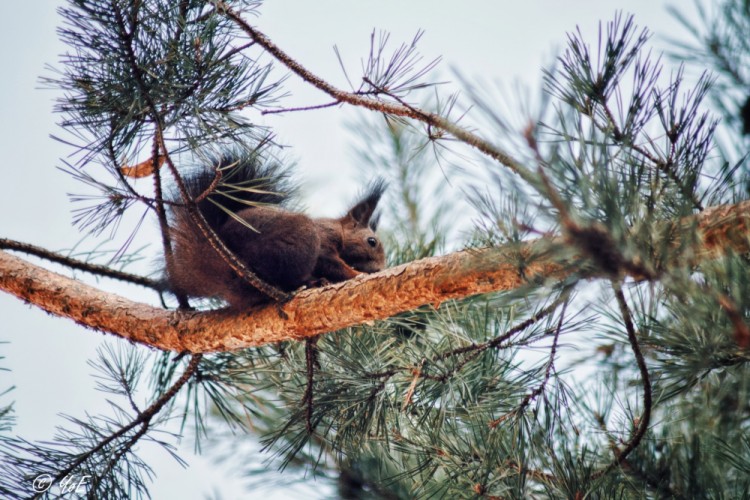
(245, 205)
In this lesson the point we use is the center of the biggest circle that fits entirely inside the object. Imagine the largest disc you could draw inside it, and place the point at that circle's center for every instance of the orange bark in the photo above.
(312, 312)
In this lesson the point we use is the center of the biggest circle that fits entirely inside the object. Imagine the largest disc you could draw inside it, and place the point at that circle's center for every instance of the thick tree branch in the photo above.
(312, 312)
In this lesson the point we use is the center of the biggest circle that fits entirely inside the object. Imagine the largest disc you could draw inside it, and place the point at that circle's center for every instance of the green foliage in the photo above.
(140, 70)
(97, 451)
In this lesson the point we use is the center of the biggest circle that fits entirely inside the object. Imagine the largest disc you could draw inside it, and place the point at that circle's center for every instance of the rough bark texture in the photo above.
(312, 312)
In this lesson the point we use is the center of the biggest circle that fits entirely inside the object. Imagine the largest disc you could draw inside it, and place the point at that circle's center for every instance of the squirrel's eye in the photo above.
(372, 242)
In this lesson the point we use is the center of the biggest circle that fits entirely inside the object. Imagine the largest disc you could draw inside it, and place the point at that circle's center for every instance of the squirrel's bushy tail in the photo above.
(226, 184)
(235, 180)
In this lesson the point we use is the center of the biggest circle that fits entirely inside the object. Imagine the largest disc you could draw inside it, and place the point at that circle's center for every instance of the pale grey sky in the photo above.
(498, 40)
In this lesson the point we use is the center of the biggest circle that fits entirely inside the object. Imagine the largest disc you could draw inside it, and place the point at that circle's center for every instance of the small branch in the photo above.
(236, 50)
(310, 108)
(547, 372)
(355, 99)
(143, 419)
(379, 90)
(210, 189)
(80, 265)
(473, 350)
(643, 421)
(302, 108)
(518, 328)
(311, 360)
(654, 483)
(161, 215)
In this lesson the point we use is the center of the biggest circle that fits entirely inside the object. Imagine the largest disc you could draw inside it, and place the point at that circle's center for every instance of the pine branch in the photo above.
(143, 420)
(357, 99)
(645, 418)
(311, 361)
(547, 373)
(366, 298)
(161, 215)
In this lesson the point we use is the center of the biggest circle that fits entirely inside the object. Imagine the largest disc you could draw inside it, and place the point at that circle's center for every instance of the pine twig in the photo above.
(355, 99)
(643, 421)
(161, 215)
(472, 350)
(80, 265)
(300, 108)
(311, 361)
(143, 419)
(654, 483)
(547, 373)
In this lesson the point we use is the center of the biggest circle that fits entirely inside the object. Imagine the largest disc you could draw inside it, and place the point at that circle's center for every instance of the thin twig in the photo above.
(161, 215)
(547, 372)
(311, 360)
(143, 419)
(472, 350)
(313, 107)
(80, 265)
(210, 189)
(645, 418)
(301, 108)
(432, 119)
(655, 484)
(518, 328)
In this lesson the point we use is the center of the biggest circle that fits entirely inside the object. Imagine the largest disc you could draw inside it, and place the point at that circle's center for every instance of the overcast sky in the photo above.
(495, 40)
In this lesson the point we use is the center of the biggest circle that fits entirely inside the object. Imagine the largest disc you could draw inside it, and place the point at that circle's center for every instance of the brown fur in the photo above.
(286, 249)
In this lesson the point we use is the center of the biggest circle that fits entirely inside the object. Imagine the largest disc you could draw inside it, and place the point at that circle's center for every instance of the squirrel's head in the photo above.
(362, 249)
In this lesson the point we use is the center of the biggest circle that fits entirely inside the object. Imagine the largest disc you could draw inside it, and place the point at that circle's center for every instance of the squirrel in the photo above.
(245, 200)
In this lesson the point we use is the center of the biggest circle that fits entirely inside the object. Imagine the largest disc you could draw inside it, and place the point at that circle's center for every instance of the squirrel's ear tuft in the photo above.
(374, 221)
(363, 210)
